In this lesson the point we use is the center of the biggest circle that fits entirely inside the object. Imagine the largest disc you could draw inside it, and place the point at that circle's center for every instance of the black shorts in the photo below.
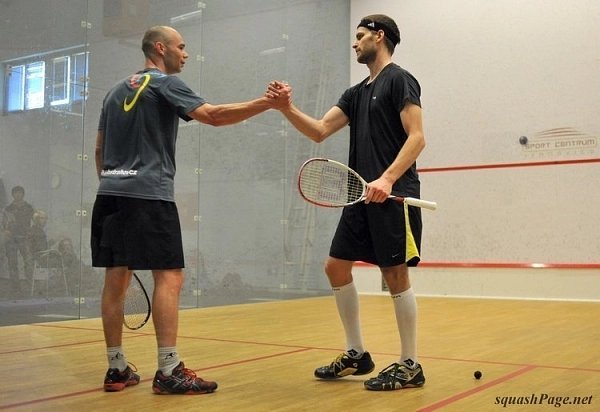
(384, 234)
(138, 233)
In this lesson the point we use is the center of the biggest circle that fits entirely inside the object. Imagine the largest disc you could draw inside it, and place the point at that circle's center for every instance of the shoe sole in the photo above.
(158, 391)
(357, 373)
(117, 387)
(387, 388)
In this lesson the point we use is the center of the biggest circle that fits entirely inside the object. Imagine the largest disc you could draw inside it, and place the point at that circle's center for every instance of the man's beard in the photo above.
(366, 57)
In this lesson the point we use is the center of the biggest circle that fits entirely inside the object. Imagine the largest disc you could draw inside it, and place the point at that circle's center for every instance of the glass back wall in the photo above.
(247, 235)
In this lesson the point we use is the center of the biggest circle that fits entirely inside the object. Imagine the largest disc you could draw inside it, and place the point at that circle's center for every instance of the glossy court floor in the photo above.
(263, 356)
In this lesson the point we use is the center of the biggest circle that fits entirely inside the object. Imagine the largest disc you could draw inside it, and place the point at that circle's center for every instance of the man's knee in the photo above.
(338, 271)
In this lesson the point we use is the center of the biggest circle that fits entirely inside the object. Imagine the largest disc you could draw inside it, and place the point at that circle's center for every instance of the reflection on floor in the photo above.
(48, 305)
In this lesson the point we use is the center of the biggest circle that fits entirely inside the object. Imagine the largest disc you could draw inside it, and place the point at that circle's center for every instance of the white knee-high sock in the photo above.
(405, 306)
(346, 299)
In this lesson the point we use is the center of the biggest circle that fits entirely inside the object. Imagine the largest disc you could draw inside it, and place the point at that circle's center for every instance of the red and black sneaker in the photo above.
(116, 380)
(182, 381)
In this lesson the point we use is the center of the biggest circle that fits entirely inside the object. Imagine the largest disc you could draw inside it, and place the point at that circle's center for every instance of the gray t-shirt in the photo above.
(140, 118)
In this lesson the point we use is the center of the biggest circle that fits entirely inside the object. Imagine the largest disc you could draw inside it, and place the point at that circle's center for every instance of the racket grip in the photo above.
(420, 203)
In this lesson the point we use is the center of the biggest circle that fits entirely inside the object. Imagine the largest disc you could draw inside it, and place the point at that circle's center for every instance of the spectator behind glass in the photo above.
(36, 238)
(16, 222)
(70, 261)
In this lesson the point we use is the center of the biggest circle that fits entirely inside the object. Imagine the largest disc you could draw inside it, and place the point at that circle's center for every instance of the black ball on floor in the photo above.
(477, 375)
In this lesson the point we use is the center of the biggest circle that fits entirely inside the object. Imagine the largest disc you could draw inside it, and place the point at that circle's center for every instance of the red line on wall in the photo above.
(507, 265)
(508, 165)
(502, 265)
(510, 265)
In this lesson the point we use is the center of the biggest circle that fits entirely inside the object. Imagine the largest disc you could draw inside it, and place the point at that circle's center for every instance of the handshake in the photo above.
(279, 95)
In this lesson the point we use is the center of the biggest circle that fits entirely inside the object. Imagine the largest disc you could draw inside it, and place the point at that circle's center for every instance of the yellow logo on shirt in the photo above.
(135, 83)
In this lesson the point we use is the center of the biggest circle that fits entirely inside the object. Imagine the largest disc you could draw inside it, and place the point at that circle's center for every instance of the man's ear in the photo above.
(160, 48)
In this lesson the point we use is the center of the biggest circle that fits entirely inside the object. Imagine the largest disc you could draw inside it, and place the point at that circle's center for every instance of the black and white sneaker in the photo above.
(397, 376)
(344, 365)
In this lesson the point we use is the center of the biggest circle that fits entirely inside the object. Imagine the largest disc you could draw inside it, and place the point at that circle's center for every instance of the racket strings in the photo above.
(135, 307)
(356, 188)
(327, 183)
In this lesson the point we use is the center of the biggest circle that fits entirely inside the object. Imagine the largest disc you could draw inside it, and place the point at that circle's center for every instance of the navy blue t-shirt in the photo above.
(376, 132)
(140, 119)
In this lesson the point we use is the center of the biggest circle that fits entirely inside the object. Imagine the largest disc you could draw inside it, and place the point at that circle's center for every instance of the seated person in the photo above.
(36, 236)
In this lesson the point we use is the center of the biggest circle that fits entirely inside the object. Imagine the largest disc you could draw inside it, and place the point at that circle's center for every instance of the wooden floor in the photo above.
(263, 356)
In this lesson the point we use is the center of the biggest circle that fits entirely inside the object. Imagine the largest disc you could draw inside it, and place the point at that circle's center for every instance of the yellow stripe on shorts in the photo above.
(411, 246)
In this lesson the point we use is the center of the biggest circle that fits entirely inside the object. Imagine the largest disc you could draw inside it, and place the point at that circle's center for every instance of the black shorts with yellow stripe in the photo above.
(384, 234)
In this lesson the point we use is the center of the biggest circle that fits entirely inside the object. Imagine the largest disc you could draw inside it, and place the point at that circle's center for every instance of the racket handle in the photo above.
(420, 203)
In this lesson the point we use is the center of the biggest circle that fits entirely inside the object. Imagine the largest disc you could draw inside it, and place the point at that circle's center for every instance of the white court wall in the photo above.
(570, 284)
(491, 72)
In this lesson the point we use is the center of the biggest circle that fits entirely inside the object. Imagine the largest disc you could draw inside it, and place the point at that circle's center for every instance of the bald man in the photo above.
(135, 222)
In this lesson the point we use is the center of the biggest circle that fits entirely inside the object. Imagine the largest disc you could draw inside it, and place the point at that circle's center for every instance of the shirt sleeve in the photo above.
(101, 121)
(406, 89)
(181, 97)
(344, 102)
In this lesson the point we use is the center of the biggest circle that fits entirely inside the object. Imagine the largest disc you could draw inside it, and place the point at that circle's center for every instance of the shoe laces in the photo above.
(338, 362)
(132, 366)
(190, 376)
(189, 373)
(395, 370)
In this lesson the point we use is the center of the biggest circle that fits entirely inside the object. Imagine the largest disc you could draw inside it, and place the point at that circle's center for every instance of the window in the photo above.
(34, 85)
(79, 76)
(60, 80)
(53, 79)
(16, 88)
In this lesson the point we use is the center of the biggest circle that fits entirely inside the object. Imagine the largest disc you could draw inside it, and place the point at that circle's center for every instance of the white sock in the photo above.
(168, 359)
(405, 306)
(116, 358)
(346, 299)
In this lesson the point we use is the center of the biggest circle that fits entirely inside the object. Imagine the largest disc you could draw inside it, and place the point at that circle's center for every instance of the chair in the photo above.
(46, 264)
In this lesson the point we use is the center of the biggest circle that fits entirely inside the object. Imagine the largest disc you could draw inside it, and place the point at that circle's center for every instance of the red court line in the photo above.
(50, 398)
(63, 345)
(487, 362)
(501, 265)
(300, 349)
(84, 392)
(139, 334)
(259, 358)
(508, 165)
(480, 388)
